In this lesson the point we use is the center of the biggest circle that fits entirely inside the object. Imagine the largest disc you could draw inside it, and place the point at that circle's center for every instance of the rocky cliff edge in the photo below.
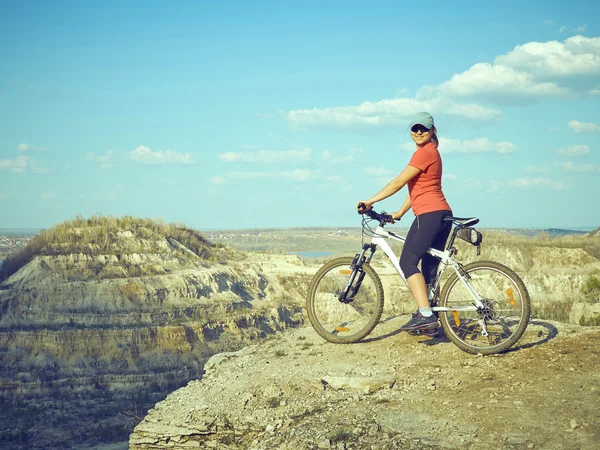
(296, 391)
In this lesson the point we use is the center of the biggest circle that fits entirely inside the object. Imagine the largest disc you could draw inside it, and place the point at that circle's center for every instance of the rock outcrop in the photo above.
(298, 392)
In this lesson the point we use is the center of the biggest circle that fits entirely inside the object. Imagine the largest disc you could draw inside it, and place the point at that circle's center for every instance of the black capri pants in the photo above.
(427, 230)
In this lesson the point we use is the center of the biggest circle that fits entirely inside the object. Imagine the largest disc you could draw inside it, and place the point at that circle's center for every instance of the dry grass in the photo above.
(589, 243)
(108, 235)
(558, 310)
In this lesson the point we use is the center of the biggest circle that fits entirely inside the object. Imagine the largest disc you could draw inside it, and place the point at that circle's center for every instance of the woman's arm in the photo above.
(393, 186)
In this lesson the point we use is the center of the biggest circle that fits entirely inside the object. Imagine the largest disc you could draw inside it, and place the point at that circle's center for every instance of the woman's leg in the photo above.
(417, 286)
(429, 264)
(412, 252)
(420, 237)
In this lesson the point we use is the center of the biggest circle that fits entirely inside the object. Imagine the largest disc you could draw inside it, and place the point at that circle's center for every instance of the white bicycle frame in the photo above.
(380, 238)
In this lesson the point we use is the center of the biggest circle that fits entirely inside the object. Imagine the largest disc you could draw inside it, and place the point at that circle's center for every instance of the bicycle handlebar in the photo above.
(382, 217)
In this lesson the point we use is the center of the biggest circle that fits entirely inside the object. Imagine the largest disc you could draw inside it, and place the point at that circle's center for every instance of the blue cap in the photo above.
(422, 118)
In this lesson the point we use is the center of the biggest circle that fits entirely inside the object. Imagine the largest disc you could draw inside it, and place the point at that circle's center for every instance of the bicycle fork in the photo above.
(347, 295)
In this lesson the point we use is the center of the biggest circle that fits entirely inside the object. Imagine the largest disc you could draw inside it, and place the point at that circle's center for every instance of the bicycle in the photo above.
(483, 307)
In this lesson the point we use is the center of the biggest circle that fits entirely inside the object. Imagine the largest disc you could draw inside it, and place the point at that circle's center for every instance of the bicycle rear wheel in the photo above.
(337, 321)
(506, 308)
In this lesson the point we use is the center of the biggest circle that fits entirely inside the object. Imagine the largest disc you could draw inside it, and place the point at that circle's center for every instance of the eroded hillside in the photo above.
(101, 320)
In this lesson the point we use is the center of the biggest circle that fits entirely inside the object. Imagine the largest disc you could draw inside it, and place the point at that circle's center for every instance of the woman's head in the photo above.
(422, 129)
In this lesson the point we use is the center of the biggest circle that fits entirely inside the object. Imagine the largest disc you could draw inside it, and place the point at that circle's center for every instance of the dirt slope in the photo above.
(296, 391)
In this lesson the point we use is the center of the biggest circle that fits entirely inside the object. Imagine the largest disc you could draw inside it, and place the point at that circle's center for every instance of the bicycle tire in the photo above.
(504, 291)
(336, 321)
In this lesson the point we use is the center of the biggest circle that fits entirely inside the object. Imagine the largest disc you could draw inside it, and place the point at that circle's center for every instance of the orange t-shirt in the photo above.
(425, 189)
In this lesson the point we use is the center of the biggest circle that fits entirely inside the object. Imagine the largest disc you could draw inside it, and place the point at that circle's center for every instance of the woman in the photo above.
(423, 174)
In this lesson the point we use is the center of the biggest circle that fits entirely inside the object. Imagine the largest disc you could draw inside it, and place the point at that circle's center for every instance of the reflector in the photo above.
(456, 319)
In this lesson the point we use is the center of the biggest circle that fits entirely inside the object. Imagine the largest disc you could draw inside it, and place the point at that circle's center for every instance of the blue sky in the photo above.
(257, 114)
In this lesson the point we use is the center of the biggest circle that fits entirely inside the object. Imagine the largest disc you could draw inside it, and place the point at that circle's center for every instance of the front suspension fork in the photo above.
(347, 295)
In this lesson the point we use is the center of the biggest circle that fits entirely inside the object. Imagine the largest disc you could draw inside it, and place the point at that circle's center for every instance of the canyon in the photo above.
(102, 335)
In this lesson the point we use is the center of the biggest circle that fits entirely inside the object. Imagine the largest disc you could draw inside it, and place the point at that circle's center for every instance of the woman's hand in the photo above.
(364, 205)
(396, 216)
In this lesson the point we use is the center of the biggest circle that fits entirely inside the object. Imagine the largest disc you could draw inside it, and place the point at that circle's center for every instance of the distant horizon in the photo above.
(582, 229)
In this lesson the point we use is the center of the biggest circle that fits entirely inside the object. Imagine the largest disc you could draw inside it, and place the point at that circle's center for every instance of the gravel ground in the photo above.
(296, 391)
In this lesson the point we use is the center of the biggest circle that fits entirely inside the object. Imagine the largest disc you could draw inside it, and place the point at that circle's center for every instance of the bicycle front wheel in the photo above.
(350, 320)
(506, 308)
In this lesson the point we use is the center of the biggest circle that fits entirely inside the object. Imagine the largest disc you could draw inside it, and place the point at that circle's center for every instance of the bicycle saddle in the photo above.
(464, 221)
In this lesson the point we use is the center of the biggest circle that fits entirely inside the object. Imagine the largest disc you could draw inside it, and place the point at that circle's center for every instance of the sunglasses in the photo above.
(419, 127)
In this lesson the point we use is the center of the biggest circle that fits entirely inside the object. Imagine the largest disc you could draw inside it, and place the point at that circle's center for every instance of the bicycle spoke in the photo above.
(340, 321)
(505, 308)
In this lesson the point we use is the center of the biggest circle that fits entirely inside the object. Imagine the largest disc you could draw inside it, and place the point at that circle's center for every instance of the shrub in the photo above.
(593, 321)
(133, 290)
(558, 311)
(341, 435)
(273, 402)
(591, 287)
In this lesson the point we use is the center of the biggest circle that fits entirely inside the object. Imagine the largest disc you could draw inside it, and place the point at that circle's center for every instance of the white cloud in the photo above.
(246, 175)
(577, 55)
(21, 164)
(573, 150)
(385, 113)
(105, 161)
(538, 182)
(577, 29)
(4, 196)
(485, 78)
(267, 156)
(579, 168)
(553, 129)
(48, 195)
(340, 182)
(449, 177)
(217, 179)
(143, 155)
(15, 165)
(471, 111)
(336, 160)
(548, 22)
(25, 147)
(535, 169)
(478, 145)
(584, 127)
(297, 175)
(379, 171)
(528, 71)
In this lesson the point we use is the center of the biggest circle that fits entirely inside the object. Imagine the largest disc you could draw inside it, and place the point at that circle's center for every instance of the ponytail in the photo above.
(435, 139)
